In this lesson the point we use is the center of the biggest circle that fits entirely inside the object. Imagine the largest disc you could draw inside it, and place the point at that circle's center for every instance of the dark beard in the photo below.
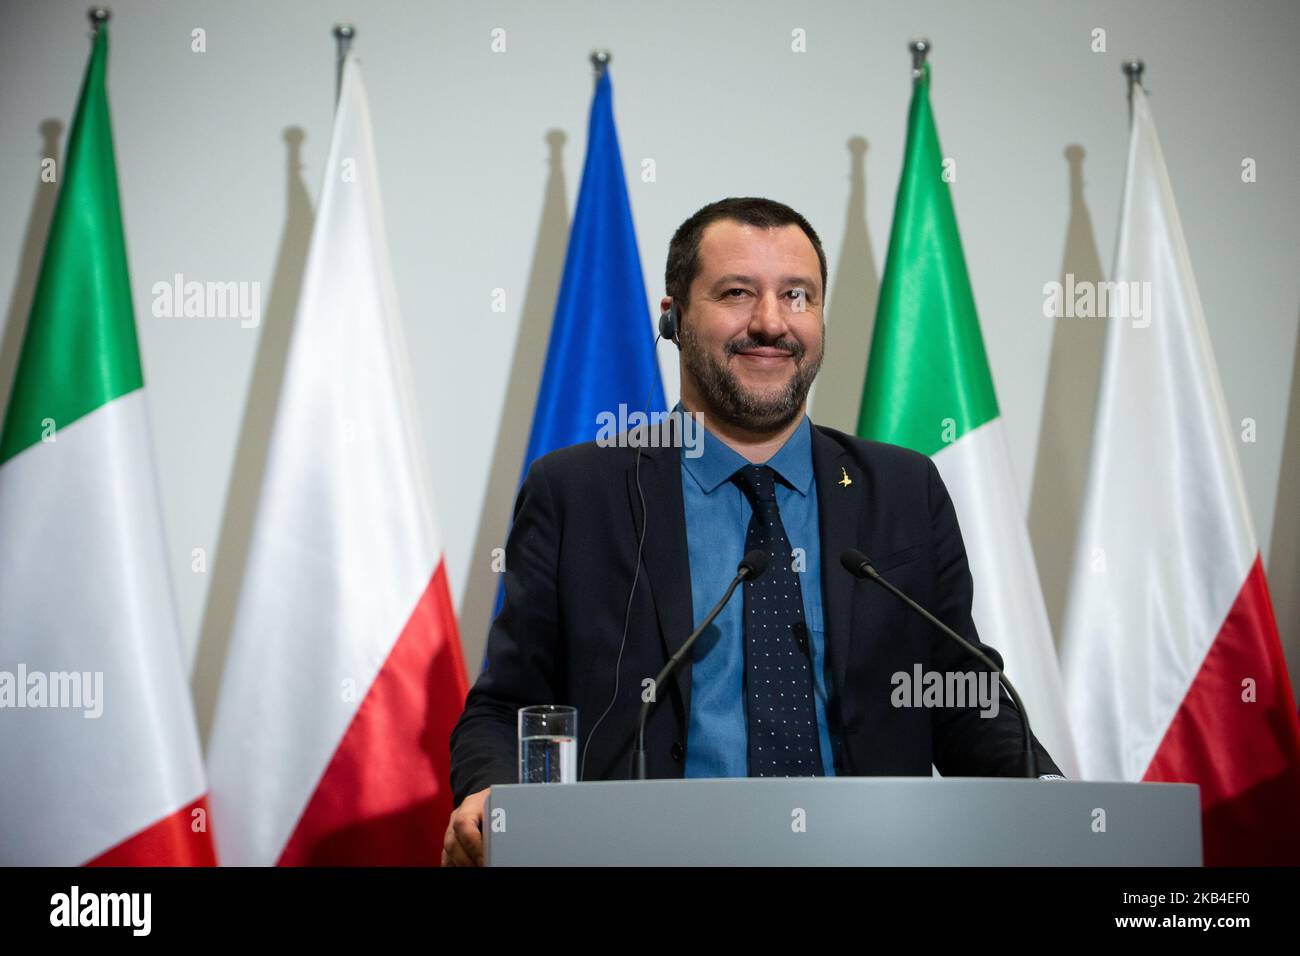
(731, 402)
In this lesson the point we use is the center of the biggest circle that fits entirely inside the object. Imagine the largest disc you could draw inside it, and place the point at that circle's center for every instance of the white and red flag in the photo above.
(345, 676)
(1173, 667)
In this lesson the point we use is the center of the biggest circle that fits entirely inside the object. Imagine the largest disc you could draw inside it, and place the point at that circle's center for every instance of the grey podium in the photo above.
(844, 821)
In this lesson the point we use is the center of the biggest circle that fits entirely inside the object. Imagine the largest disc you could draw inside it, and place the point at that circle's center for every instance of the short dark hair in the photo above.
(684, 249)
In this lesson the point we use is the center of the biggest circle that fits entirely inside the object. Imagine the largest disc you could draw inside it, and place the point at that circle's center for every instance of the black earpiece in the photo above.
(669, 323)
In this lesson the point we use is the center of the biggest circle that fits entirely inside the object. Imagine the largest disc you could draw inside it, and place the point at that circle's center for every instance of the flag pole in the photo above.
(1133, 69)
(98, 17)
(600, 62)
(920, 48)
(344, 33)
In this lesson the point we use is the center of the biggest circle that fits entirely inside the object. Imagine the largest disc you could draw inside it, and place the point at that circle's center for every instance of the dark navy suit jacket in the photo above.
(570, 560)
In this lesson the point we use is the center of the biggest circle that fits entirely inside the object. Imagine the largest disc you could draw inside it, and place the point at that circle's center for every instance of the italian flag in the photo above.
(99, 754)
(929, 388)
(344, 676)
(1173, 666)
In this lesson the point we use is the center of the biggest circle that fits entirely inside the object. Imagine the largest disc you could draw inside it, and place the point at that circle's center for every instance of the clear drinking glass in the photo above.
(548, 744)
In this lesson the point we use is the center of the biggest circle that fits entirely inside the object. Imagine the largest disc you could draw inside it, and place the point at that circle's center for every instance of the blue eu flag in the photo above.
(601, 353)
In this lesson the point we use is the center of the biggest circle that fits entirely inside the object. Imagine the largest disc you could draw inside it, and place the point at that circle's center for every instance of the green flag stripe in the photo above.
(928, 380)
(79, 350)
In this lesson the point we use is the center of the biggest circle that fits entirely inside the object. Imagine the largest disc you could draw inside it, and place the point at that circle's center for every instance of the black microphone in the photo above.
(859, 565)
(751, 567)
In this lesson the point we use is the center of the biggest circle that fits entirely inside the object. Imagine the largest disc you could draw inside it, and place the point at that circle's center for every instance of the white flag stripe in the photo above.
(84, 586)
(1008, 607)
(343, 543)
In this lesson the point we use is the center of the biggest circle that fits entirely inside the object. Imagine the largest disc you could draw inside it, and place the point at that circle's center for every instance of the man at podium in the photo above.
(809, 670)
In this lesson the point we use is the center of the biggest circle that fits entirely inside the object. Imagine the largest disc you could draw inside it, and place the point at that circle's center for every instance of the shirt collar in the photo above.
(718, 461)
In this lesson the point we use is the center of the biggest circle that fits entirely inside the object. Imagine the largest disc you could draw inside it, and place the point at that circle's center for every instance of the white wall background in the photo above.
(481, 153)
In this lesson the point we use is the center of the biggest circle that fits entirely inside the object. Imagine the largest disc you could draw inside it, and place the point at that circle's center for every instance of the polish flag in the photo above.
(344, 676)
(1173, 667)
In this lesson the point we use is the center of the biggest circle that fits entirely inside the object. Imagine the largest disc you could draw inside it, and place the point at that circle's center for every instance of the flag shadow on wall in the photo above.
(536, 312)
(851, 308)
(1069, 406)
(29, 264)
(254, 438)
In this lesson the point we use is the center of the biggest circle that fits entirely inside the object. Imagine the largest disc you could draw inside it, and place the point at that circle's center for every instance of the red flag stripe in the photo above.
(1245, 755)
(172, 841)
(385, 796)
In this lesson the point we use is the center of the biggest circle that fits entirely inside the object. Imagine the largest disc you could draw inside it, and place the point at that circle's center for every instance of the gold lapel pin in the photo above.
(846, 480)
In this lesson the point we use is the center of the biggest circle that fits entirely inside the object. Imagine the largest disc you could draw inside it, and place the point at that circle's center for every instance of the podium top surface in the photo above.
(844, 821)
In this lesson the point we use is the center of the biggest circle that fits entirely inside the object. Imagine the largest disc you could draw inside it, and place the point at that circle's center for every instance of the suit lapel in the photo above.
(665, 558)
(839, 507)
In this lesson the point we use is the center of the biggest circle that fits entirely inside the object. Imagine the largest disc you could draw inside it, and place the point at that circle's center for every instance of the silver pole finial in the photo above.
(98, 17)
(1133, 69)
(920, 48)
(344, 33)
(600, 62)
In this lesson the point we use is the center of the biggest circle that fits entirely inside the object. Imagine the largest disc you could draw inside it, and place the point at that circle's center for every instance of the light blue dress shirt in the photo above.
(717, 518)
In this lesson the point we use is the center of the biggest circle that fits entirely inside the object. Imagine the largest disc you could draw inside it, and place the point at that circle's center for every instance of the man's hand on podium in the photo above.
(463, 844)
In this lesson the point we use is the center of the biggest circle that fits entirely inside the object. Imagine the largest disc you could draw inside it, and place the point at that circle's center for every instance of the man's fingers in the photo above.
(453, 854)
(469, 837)
(463, 843)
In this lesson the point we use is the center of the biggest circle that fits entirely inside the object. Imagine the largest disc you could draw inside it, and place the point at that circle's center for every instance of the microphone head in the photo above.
(753, 564)
(854, 561)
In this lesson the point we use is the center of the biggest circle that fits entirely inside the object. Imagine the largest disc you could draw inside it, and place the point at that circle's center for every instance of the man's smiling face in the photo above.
(752, 335)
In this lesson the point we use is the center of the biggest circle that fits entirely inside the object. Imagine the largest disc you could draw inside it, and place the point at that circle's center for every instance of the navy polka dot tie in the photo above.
(782, 716)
